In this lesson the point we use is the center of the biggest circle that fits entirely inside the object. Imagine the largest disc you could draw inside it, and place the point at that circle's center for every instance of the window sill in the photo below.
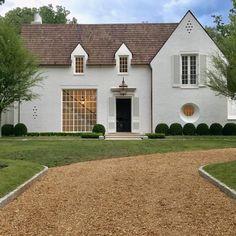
(186, 87)
(231, 118)
(119, 73)
(79, 74)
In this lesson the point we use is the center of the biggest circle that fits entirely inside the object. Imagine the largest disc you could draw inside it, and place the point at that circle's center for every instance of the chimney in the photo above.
(37, 19)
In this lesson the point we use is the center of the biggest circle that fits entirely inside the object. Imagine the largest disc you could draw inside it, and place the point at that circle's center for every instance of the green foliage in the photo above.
(162, 128)
(155, 135)
(202, 129)
(189, 129)
(99, 128)
(222, 79)
(216, 129)
(229, 129)
(50, 15)
(90, 135)
(18, 69)
(176, 129)
(7, 130)
(35, 134)
(20, 129)
(19, 16)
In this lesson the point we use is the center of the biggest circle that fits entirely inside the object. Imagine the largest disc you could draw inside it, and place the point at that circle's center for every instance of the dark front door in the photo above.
(123, 115)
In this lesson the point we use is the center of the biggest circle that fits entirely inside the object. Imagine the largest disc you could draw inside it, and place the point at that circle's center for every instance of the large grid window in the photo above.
(189, 69)
(79, 65)
(79, 109)
(123, 64)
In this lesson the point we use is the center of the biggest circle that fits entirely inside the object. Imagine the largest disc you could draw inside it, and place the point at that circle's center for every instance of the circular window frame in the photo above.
(194, 117)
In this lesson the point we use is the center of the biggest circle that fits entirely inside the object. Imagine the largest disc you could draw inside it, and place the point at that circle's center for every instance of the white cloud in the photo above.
(111, 11)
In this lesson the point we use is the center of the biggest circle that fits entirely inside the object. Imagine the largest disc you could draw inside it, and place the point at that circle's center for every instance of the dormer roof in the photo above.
(53, 44)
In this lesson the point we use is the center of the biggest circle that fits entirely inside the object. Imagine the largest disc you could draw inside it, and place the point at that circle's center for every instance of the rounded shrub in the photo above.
(176, 129)
(216, 129)
(20, 129)
(162, 129)
(99, 128)
(229, 129)
(202, 129)
(7, 130)
(189, 129)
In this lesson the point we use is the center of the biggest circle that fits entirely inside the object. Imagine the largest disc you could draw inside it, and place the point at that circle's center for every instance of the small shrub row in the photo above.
(52, 134)
(17, 130)
(155, 135)
(201, 129)
(90, 135)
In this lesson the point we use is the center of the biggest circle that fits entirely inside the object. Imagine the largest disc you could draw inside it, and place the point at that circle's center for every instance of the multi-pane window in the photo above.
(123, 67)
(79, 109)
(79, 65)
(189, 69)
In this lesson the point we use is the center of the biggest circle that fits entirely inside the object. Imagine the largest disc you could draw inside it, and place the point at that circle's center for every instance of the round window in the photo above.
(189, 113)
(188, 110)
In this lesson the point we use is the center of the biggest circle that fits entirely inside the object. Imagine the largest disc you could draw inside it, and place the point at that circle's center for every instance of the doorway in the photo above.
(123, 115)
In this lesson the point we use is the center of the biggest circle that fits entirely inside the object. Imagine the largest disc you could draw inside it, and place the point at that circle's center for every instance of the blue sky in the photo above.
(132, 11)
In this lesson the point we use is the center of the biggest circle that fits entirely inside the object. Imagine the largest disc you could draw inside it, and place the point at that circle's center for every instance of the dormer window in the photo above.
(79, 59)
(79, 65)
(123, 66)
(123, 59)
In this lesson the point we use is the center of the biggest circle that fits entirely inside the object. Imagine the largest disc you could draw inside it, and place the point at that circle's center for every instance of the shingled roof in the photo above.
(53, 44)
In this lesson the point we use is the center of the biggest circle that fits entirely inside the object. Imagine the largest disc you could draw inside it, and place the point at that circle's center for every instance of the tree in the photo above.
(19, 16)
(18, 70)
(2, 1)
(222, 79)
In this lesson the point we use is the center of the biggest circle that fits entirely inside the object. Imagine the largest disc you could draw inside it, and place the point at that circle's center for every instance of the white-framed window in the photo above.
(123, 64)
(79, 65)
(231, 109)
(189, 69)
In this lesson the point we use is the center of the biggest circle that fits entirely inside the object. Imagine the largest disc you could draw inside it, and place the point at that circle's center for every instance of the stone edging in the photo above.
(223, 187)
(20, 189)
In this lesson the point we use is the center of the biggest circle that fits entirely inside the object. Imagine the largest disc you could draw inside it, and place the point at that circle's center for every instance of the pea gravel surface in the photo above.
(160, 194)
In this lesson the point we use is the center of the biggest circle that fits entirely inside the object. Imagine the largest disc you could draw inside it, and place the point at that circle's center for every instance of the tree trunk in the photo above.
(0, 124)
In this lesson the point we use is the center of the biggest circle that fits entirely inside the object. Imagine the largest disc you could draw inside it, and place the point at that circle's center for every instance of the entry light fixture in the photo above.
(82, 100)
(123, 87)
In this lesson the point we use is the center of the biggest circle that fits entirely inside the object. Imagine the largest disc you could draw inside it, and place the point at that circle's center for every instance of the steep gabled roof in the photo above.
(53, 44)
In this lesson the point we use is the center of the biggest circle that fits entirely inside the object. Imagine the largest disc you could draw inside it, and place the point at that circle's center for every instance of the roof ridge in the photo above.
(104, 24)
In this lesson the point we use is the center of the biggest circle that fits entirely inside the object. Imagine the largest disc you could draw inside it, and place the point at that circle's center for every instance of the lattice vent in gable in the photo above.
(189, 27)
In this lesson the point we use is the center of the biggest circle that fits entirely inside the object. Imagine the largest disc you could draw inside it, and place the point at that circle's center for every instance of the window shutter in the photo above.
(111, 115)
(202, 69)
(176, 70)
(135, 118)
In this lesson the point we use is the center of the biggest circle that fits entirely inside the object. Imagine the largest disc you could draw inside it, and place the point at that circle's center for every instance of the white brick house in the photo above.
(163, 66)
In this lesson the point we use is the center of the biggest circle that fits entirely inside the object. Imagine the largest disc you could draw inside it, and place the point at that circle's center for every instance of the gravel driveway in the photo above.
(160, 194)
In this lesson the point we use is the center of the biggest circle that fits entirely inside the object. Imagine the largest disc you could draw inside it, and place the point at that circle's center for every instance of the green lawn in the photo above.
(225, 172)
(61, 151)
(16, 173)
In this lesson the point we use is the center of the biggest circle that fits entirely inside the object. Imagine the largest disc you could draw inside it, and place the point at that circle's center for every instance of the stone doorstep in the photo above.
(20, 189)
(124, 136)
(223, 187)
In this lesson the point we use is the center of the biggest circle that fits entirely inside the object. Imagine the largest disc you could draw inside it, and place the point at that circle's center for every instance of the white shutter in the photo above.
(111, 115)
(135, 117)
(203, 70)
(176, 70)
